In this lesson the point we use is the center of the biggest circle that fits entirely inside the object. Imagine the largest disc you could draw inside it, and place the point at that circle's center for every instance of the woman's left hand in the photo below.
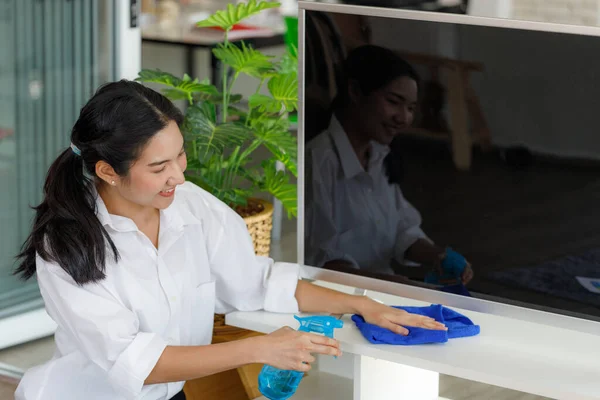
(395, 319)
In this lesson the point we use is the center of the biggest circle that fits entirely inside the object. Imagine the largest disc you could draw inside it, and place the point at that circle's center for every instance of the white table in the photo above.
(523, 356)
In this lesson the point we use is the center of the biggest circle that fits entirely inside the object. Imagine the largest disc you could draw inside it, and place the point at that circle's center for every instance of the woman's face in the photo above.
(389, 110)
(159, 169)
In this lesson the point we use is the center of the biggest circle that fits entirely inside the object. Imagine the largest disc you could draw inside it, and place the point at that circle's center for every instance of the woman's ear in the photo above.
(105, 172)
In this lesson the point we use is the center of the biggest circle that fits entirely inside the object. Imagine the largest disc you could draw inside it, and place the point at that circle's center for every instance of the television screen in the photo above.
(457, 157)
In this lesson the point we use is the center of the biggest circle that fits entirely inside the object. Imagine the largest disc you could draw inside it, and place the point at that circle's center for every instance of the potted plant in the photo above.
(223, 131)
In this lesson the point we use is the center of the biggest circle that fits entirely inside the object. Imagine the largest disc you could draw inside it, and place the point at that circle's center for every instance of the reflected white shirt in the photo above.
(353, 214)
(111, 334)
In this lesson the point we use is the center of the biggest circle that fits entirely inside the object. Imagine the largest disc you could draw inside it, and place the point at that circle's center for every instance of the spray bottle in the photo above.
(277, 384)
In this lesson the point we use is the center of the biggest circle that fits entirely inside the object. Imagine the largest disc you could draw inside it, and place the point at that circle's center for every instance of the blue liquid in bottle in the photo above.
(277, 384)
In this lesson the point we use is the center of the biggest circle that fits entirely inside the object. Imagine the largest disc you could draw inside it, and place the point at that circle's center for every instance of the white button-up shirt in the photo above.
(353, 214)
(111, 334)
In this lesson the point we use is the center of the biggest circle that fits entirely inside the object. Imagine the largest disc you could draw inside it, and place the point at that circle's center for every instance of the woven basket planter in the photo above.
(260, 227)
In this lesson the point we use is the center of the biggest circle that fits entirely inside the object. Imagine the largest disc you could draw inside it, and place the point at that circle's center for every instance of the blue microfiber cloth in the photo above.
(458, 326)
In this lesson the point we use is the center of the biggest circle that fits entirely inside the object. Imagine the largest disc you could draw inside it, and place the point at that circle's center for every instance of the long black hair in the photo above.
(373, 67)
(114, 126)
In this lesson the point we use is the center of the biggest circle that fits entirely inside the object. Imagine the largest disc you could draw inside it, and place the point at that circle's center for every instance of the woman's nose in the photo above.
(178, 177)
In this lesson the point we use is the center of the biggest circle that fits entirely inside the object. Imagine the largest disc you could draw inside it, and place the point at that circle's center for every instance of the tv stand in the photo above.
(519, 355)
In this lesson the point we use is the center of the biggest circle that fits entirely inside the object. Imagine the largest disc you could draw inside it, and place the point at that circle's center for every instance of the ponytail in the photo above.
(66, 229)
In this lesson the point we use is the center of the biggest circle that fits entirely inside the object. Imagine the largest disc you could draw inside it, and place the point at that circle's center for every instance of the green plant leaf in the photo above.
(209, 137)
(220, 151)
(283, 140)
(273, 129)
(240, 115)
(285, 89)
(216, 98)
(286, 159)
(244, 59)
(265, 103)
(275, 135)
(178, 89)
(266, 74)
(220, 175)
(234, 14)
(230, 196)
(158, 76)
(193, 164)
(288, 64)
(276, 183)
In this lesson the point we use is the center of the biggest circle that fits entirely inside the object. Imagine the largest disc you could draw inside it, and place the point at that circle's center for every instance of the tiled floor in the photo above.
(30, 354)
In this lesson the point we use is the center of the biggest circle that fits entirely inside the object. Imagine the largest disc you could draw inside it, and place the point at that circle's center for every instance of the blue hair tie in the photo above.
(75, 149)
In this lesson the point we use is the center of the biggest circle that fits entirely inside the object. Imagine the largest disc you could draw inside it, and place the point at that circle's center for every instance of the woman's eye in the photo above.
(160, 170)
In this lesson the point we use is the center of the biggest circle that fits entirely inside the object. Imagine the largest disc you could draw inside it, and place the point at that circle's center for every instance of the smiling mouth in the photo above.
(167, 193)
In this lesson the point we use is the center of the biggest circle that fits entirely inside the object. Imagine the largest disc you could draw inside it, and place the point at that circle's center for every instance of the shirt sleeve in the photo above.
(104, 330)
(245, 281)
(321, 235)
(409, 227)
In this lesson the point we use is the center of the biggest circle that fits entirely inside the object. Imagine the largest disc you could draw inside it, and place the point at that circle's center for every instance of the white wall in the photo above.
(491, 8)
(578, 12)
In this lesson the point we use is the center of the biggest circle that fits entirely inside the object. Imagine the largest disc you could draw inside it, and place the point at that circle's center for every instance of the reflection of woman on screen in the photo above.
(356, 219)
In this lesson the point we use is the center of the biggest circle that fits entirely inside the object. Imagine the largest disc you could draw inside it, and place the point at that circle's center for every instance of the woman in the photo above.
(133, 261)
(356, 220)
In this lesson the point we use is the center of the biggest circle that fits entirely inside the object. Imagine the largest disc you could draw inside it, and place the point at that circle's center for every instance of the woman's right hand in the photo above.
(289, 349)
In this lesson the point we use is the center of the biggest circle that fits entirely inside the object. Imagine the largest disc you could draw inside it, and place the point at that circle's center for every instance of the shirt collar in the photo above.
(175, 217)
(348, 159)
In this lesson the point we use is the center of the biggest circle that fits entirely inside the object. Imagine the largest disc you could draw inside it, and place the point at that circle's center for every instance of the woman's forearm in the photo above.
(182, 363)
(316, 299)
